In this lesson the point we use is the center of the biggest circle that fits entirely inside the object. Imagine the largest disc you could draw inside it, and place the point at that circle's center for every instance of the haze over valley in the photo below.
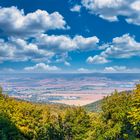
(71, 89)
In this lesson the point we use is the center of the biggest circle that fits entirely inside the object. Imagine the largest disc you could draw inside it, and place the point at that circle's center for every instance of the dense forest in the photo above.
(117, 119)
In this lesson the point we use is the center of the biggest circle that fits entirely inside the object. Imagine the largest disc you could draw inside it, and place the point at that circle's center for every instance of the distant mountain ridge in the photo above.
(94, 107)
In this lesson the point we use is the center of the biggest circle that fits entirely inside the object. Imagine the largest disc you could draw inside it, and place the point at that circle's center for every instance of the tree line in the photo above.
(118, 119)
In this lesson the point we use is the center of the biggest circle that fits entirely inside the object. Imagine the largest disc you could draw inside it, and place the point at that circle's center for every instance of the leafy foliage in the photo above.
(0, 90)
(134, 114)
(8, 131)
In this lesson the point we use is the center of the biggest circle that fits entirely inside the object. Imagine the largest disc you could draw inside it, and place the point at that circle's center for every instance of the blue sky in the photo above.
(70, 36)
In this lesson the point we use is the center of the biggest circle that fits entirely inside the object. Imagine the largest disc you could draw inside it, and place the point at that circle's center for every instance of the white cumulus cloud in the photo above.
(76, 8)
(41, 67)
(115, 69)
(17, 49)
(121, 69)
(15, 22)
(65, 43)
(121, 47)
(44, 47)
(67, 63)
(111, 9)
(83, 70)
(97, 60)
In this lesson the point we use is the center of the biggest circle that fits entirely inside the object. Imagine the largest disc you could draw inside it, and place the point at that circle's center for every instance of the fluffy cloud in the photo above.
(67, 63)
(121, 47)
(83, 70)
(120, 69)
(76, 8)
(115, 69)
(97, 59)
(89, 43)
(111, 9)
(65, 43)
(44, 47)
(16, 49)
(14, 22)
(20, 28)
(42, 67)
(6, 50)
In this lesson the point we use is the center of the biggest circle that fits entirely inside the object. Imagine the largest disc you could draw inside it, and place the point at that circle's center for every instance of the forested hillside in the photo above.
(118, 119)
(94, 107)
